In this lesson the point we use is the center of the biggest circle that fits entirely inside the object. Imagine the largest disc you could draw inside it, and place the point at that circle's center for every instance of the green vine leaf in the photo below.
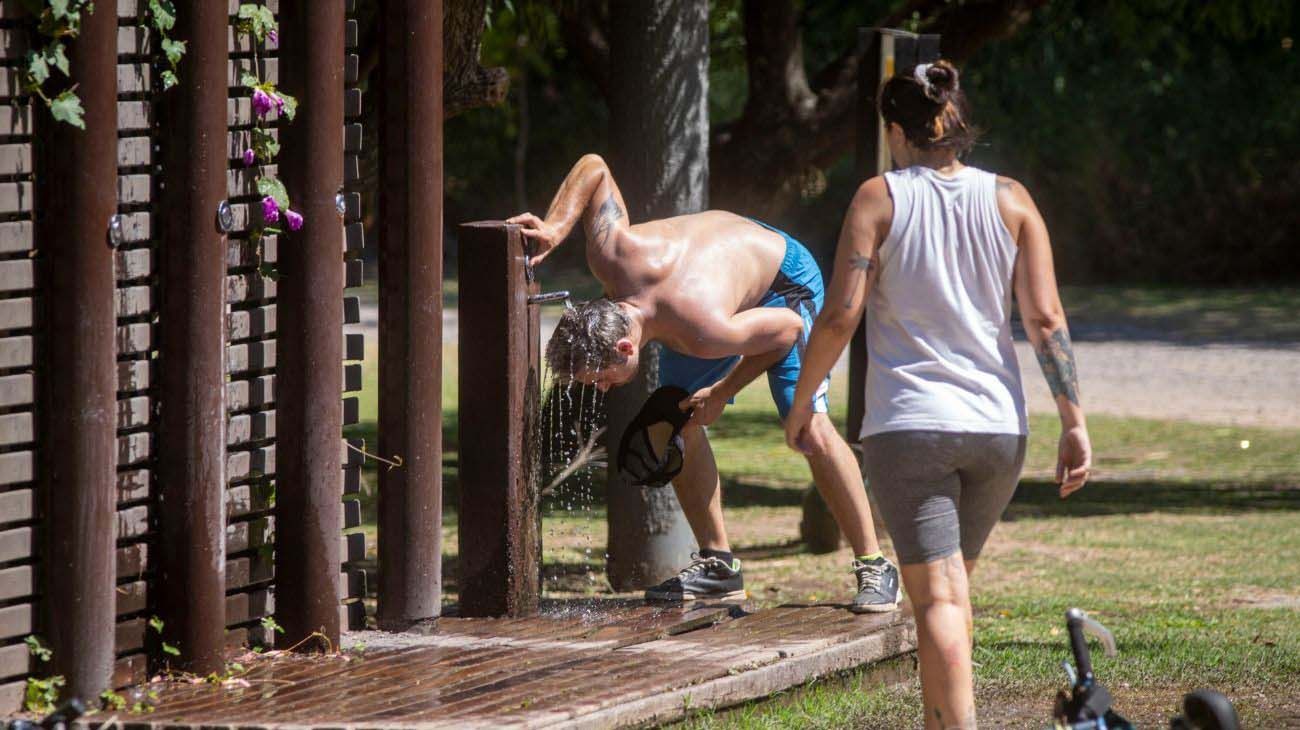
(54, 53)
(174, 50)
(164, 14)
(249, 80)
(274, 188)
(265, 146)
(42, 694)
(66, 107)
(169, 79)
(38, 69)
(37, 649)
(169, 649)
(59, 9)
(290, 106)
(256, 19)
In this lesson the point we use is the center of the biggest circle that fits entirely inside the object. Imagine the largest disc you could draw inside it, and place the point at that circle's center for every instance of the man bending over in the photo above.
(728, 298)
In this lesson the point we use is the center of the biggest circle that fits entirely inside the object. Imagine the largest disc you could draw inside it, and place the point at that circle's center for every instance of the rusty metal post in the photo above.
(499, 535)
(410, 307)
(76, 195)
(866, 145)
(309, 339)
(191, 586)
(885, 51)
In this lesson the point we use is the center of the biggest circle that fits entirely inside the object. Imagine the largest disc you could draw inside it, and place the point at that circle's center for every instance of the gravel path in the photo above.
(1220, 384)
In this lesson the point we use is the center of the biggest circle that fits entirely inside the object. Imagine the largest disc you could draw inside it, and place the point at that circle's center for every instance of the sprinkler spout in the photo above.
(554, 296)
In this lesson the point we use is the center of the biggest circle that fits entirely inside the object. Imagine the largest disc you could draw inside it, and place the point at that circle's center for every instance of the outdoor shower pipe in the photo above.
(553, 296)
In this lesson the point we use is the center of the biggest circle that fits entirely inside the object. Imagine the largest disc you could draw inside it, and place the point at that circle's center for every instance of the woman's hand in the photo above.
(798, 428)
(706, 404)
(543, 235)
(1074, 459)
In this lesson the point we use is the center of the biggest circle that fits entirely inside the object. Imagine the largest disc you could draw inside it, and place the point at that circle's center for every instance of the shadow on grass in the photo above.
(1037, 498)
(771, 550)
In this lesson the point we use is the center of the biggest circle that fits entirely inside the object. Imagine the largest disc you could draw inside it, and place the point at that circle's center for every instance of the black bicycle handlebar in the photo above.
(1079, 644)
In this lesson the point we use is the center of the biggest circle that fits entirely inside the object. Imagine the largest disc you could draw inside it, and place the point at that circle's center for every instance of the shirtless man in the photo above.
(728, 298)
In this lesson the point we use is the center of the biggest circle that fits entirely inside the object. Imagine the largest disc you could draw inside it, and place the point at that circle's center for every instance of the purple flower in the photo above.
(279, 104)
(294, 219)
(272, 36)
(262, 102)
(270, 210)
(249, 157)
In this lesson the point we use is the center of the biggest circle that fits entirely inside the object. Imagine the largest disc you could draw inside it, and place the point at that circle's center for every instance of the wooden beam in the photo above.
(309, 335)
(410, 302)
(190, 585)
(499, 534)
(77, 172)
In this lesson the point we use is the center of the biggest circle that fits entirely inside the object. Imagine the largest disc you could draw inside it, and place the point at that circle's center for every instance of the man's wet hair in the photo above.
(586, 337)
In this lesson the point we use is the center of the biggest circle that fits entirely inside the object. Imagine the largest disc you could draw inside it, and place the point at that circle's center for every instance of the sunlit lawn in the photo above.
(1187, 546)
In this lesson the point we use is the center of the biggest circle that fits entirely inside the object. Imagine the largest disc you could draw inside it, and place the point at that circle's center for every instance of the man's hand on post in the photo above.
(541, 233)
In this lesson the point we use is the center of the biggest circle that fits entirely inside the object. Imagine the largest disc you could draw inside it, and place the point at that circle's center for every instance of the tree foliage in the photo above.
(1160, 137)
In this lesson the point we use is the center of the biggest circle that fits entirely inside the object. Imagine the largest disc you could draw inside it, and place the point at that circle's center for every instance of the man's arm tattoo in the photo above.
(1056, 358)
(858, 263)
(602, 224)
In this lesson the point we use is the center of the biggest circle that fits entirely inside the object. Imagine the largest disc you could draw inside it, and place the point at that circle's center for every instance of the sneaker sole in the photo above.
(684, 597)
(876, 608)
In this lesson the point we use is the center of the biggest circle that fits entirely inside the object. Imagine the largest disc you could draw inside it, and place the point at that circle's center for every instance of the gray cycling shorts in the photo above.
(940, 492)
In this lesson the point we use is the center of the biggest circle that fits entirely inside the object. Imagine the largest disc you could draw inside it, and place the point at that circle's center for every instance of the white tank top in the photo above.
(939, 351)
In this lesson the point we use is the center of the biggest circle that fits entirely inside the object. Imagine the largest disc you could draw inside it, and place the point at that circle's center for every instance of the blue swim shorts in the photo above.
(798, 286)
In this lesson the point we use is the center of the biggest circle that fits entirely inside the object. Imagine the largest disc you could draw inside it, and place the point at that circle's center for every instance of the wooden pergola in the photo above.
(171, 434)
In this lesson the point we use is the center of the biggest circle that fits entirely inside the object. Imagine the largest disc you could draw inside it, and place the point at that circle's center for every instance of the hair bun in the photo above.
(942, 78)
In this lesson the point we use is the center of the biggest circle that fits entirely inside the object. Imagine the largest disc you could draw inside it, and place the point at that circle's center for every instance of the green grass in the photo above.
(1186, 545)
(1190, 313)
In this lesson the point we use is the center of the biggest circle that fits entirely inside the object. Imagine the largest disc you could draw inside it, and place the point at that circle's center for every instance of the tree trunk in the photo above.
(659, 154)
(467, 85)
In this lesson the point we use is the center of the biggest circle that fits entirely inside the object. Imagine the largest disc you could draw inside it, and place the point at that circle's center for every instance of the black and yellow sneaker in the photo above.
(704, 578)
(877, 586)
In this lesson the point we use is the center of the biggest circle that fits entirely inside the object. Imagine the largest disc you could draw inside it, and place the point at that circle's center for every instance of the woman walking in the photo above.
(933, 251)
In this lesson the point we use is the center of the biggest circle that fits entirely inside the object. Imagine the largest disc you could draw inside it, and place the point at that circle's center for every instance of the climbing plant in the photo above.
(58, 21)
(162, 17)
(258, 24)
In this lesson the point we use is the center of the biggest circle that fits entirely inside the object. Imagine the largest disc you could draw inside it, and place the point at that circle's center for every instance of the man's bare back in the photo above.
(689, 270)
(693, 282)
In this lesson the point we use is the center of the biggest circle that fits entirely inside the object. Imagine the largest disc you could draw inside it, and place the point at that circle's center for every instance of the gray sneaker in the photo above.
(877, 586)
(704, 578)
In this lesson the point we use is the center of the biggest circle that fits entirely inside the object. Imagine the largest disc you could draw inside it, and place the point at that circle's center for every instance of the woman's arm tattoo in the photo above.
(1056, 358)
(602, 224)
(858, 263)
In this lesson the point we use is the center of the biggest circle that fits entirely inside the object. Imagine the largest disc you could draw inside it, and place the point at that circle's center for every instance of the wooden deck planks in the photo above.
(623, 664)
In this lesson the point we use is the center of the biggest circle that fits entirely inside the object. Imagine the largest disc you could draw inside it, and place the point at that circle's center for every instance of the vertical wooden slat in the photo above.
(76, 182)
(191, 581)
(410, 302)
(500, 552)
(309, 337)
